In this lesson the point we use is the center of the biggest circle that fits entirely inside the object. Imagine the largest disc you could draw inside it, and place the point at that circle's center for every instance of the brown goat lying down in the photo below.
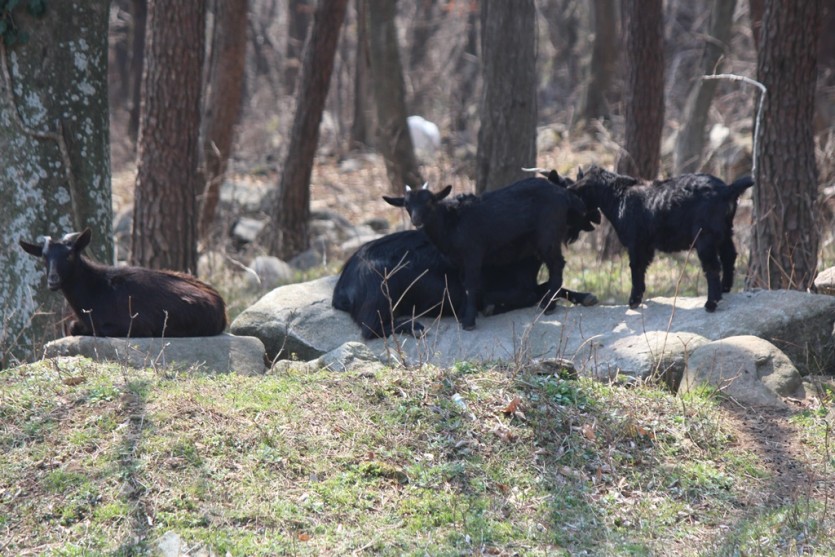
(113, 301)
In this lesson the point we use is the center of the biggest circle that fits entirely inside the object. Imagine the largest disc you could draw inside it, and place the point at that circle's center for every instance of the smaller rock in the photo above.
(169, 544)
(746, 368)
(825, 282)
(346, 357)
(378, 225)
(307, 260)
(246, 230)
(271, 272)
(221, 354)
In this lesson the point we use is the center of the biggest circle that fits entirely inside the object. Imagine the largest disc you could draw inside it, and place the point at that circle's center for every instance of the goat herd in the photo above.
(467, 254)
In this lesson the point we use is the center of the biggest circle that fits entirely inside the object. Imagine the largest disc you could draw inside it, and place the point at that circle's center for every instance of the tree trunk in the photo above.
(691, 139)
(223, 103)
(466, 69)
(604, 56)
(423, 28)
(292, 213)
(393, 138)
(784, 251)
(298, 23)
(137, 62)
(507, 137)
(167, 182)
(755, 11)
(363, 124)
(644, 95)
(55, 175)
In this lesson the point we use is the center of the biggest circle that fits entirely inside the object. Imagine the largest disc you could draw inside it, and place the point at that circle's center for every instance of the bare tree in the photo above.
(363, 123)
(139, 14)
(167, 182)
(299, 13)
(222, 105)
(784, 250)
(691, 138)
(604, 56)
(55, 151)
(289, 236)
(466, 69)
(393, 139)
(644, 92)
(507, 137)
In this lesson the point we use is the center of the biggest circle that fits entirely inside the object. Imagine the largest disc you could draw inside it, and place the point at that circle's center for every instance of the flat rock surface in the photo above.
(222, 353)
(298, 322)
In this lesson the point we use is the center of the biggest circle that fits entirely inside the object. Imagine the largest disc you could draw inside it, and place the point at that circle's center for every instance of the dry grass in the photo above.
(98, 459)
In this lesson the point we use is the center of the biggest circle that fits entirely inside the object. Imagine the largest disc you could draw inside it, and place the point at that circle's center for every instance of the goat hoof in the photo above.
(634, 304)
(710, 306)
(589, 300)
(468, 327)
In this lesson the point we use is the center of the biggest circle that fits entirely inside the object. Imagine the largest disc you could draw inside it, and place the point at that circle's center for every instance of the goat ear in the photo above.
(396, 201)
(579, 174)
(82, 240)
(441, 194)
(31, 249)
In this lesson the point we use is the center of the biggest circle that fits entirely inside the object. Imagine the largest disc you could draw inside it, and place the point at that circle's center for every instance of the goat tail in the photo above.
(739, 186)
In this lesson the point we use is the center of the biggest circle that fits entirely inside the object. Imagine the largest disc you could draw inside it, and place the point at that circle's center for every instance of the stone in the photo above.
(270, 272)
(347, 357)
(607, 340)
(220, 354)
(825, 281)
(750, 370)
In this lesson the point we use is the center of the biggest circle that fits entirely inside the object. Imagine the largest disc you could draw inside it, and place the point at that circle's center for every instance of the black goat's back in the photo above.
(139, 302)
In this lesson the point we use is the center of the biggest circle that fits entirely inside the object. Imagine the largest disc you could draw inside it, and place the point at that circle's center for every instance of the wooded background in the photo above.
(184, 89)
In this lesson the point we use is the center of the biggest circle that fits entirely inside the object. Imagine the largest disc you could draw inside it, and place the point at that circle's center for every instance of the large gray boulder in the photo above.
(221, 354)
(746, 368)
(298, 322)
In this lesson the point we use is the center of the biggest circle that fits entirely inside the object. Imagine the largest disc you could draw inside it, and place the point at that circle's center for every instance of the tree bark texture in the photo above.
(691, 138)
(507, 137)
(299, 13)
(644, 95)
(139, 11)
(55, 152)
(393, 139)
(222, 106)
(364, 122)
(604, 56)
(167, 182)
(292, 213)
(784, 250)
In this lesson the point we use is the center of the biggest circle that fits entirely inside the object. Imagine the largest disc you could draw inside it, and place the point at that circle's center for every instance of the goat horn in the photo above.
(408, 189)
(426, 185)
(534, 169)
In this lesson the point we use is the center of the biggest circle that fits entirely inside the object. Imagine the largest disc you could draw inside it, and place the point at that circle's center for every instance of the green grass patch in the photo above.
(105, 460)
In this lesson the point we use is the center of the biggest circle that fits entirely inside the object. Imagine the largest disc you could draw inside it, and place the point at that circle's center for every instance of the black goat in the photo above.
(127, 301)
(688, 211)
(529, 218)
(390, 281)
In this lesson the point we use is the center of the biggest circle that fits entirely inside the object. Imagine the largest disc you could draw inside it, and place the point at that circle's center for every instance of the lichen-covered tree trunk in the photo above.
(167, 181)
(784, 250)
(55, 153)
(507, 137)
